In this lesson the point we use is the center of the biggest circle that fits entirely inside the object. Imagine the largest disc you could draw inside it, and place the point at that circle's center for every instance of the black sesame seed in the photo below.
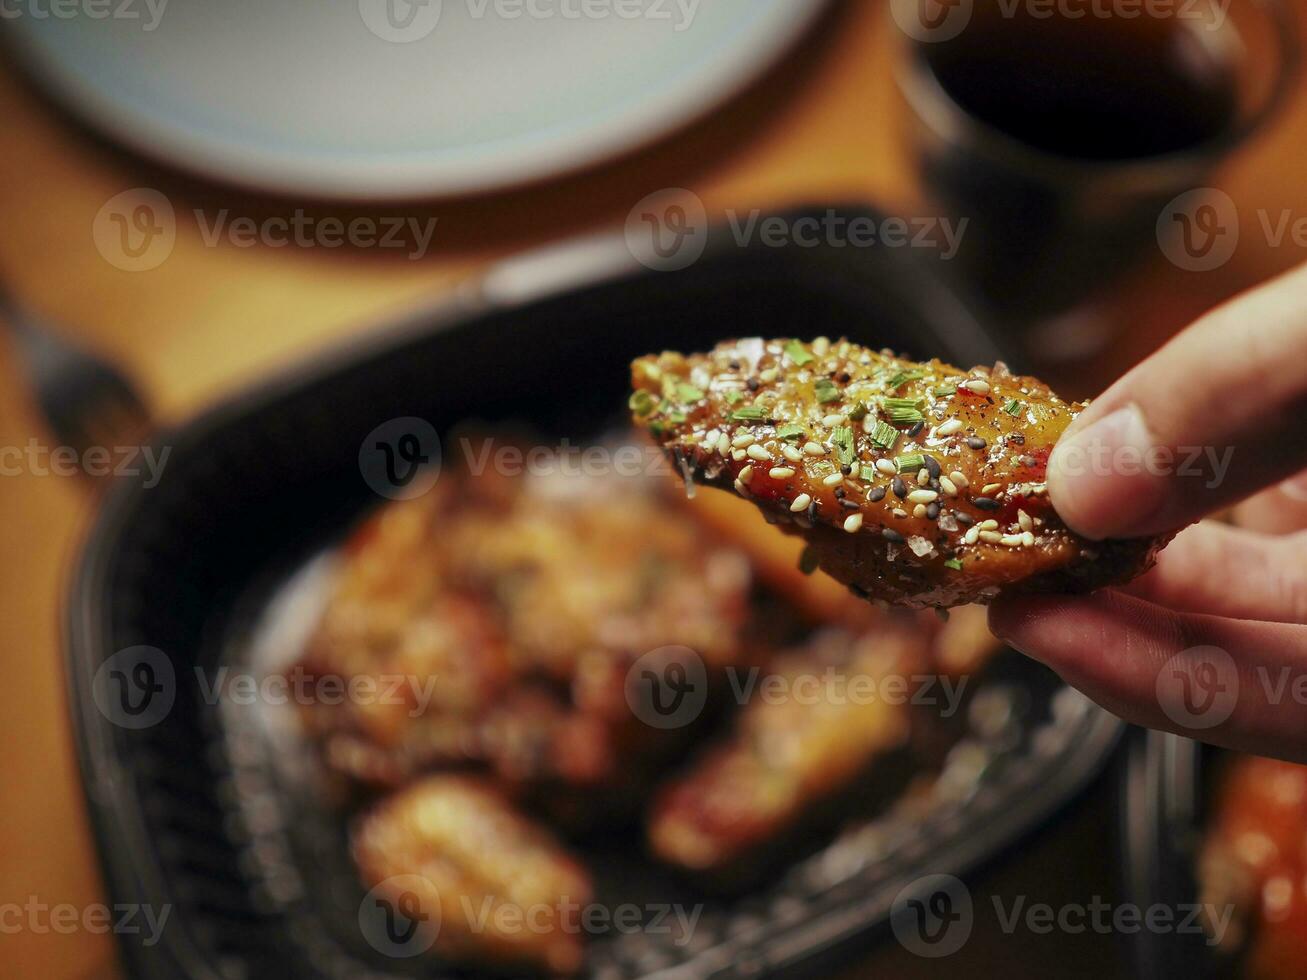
(932, 467)
(846, 470)
(812, 511)
(916, 429)
(932, 511)
(754, 384)
(860, 592)
(876, 495)
(839, 493)
(1017, 439)
(966, 520)
(844, 377)
(850, 505)
(891, 535)
(975, 442)
(986, 503)
(900, 488)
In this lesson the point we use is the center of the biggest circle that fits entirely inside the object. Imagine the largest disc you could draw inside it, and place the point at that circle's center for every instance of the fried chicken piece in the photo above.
(914, 483)
(1254, 858)
(453, 848)
(812, 728)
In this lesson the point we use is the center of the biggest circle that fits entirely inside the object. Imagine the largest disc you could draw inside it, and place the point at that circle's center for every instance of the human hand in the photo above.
(1211, 643)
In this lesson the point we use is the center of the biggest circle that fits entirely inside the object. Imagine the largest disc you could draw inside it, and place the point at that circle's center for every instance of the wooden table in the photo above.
(213, 318)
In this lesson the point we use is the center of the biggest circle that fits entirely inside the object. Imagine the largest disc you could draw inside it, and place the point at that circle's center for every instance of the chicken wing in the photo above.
(494, 887)
(919, 484)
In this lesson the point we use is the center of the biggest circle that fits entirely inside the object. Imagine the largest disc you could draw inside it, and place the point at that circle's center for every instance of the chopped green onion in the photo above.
(954, 564)
(910, 463)
(734, 396)
(1014, 408)
(827, 391)
(642, 403)
(903, 377)
(799, 354)
(790, 431)
(750, 413)
(885, 435)
(868, 473)
(676, 418)
(943, 391)
(906, 416)
(688, 393)
(892, 403)
(858, 412)
(843, 440)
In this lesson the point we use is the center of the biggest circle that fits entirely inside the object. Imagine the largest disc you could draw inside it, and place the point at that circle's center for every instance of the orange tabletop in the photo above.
(213, 317)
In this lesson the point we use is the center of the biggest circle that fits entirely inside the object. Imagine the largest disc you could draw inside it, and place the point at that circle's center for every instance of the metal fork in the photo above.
(86, 402)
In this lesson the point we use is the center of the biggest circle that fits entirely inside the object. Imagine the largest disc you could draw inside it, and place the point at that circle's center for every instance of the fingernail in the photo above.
(1295, 488)
(1099, 478)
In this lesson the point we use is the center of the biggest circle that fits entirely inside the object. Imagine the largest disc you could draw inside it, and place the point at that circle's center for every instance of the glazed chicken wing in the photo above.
(919, 484)
(453, 849)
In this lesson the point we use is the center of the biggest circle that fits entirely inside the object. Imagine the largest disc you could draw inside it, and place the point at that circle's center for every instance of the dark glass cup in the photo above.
(1062, 138)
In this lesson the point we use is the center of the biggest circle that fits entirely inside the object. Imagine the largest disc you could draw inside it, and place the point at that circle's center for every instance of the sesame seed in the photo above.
(741, 489)
(949, 428)
(900, 513)
(850, 505)
(975, 442)
(737, 454)
(723, 444)
(978, 385)
(932, 512)
(991, 537)
(1028, 539)
(990, 525)
(821, 346)
(986, 503)
(900, 488)
(801, 503)
(757, 452)
(959, 479)
(989, 489)
(919, 511)
(743, 440)
(972, 535)
(834, 480)
(923, 477)
(887, 467)
(891, 535)
(746, 475)
(1011, 541)
(922, 497)
(833, 421)
(814, 449)
(966, 520)
(781, 473)
(768, 376)
(1024, 520)
(932, 467)
(876, 494)
(948, 486)
(792, 454)
(853, 524)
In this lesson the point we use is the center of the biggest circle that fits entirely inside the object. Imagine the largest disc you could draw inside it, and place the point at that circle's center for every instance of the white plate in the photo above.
(397, 98)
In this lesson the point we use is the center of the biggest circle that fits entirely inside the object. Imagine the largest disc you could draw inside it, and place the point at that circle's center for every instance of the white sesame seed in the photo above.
(743, 440)
(1011, 541)
(948, 486)
(833, 421)
(887, 467)
(949, 427)
(900, 513)
(768, 376)
(978, 385)
(919, 511)
(869, 423)
(792, 454)
(834, 480)
(990, 525)
(746, 475)
(922, 497)
(854, 523)
(801, 503)
(959, 479)
(972, 535)
(741, 489)
(781, 473)
(923, 477)
(757, 452)
(1024, 520)
(814, 449)
(989, 489)
(737, 454)
(723, 445)
(1028, 539)
(821, 346)
(991, 537)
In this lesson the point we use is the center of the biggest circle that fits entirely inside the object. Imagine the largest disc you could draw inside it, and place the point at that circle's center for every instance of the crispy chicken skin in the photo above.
(919, 484)
(812, 727)
(482, 872)
(1255, 859)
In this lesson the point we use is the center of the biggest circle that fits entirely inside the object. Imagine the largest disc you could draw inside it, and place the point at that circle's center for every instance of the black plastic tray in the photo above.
(199, 811)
